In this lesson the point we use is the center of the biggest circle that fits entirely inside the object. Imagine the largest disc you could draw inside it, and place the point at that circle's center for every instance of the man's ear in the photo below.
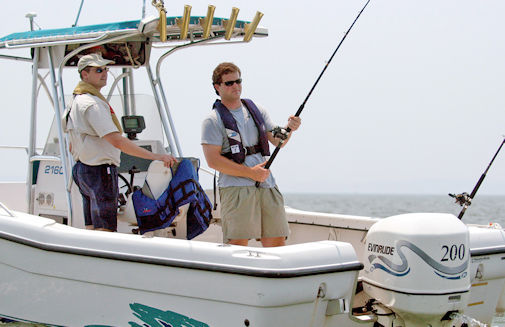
(215, 88)
(84, 75)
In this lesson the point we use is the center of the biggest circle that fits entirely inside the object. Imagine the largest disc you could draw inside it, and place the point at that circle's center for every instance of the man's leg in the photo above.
(107, 201)
(268, 242)
(240, 214)
(86, 204)
(275, 226)
(243, 242)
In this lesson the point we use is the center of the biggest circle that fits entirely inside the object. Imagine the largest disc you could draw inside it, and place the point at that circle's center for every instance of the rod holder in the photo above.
(206, 23)
(162, 22)
(251, 27)
(162, 25)
(229, 24)
(183, 22)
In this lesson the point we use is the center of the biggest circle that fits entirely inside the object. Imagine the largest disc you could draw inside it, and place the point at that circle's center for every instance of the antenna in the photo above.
(78, 14)
(31, 16)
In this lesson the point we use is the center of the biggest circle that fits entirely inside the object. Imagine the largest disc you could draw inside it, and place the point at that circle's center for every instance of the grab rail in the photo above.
(45, 158)
(17, 147)
(45, 42)
(208, 171)
(7, 210)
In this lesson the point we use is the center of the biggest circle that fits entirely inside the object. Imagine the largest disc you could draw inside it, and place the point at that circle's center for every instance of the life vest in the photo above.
(238, 151)
(153, 214)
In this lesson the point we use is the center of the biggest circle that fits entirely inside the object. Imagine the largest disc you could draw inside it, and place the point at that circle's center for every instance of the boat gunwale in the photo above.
(187, 264)
(497, 249)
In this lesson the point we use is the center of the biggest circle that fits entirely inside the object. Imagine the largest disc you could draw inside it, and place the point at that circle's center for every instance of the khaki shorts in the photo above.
(250, 212)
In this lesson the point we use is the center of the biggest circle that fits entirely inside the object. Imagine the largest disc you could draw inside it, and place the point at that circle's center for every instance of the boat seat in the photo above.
(157, 179)
(156, 182)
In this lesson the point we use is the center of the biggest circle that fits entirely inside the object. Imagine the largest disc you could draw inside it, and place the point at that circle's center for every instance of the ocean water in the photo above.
(484, 209)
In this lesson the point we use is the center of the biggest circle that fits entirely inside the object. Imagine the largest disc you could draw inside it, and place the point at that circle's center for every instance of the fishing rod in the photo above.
(282, 133)
(464, 199)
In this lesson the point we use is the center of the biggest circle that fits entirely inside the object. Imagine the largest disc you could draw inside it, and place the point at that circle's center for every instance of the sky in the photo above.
(412, 103)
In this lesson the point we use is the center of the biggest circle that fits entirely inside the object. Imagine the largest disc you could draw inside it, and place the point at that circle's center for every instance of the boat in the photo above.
(409, 270)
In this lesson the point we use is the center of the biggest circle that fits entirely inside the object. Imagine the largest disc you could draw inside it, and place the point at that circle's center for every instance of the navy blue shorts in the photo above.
(99, 188)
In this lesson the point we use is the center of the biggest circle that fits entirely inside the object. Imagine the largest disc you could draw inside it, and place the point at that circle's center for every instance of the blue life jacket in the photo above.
(238, 151)
(153, 214)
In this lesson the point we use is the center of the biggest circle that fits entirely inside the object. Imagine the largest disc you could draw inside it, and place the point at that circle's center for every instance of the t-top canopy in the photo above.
(68, 35)
(135, 28)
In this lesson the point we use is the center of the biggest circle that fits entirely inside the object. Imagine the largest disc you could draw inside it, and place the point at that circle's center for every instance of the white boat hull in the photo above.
(64, 276)
(59, 275)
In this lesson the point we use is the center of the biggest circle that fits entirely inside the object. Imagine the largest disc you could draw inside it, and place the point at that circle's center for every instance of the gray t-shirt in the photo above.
(214, 133)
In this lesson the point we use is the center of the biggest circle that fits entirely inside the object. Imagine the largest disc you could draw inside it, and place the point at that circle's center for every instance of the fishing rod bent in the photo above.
(464, 199)
(300, 109)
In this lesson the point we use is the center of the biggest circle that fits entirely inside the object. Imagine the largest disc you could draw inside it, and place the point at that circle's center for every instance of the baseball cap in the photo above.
(94, 60)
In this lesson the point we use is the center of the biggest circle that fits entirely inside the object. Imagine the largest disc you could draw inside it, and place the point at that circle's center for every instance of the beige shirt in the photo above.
(89, 120)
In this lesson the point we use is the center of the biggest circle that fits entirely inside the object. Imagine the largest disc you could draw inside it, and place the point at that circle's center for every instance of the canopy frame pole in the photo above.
(58, 113)
(175, 150)
(33, 130)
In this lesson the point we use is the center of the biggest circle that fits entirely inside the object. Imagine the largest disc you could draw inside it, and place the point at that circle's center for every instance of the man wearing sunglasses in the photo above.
(235, 140)
(96, 143)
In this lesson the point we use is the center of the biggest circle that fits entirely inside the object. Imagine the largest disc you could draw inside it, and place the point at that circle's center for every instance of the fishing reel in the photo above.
(462, 199)
(280, 133)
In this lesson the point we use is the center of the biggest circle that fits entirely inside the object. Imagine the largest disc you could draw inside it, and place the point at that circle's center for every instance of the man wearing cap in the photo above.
(96, 143)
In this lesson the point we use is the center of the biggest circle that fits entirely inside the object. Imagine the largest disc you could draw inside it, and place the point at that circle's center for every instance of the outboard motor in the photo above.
(417, 265)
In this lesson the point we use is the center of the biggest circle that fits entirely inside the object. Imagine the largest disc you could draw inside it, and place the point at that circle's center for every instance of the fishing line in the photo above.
(281, 141)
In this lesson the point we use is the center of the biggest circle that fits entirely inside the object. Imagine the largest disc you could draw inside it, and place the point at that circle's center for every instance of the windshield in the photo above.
(145, 106)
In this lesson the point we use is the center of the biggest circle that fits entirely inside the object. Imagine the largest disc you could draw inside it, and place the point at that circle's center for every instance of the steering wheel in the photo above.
(122, 197)
(128, 185)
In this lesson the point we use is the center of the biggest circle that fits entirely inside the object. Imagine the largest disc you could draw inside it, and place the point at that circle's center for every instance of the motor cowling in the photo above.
(418, 264)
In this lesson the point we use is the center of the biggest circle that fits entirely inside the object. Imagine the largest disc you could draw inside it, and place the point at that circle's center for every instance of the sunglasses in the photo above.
(230, 83)
(100, 70)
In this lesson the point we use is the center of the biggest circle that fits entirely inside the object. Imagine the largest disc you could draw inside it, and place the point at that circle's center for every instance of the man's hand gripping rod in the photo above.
(288, 130)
